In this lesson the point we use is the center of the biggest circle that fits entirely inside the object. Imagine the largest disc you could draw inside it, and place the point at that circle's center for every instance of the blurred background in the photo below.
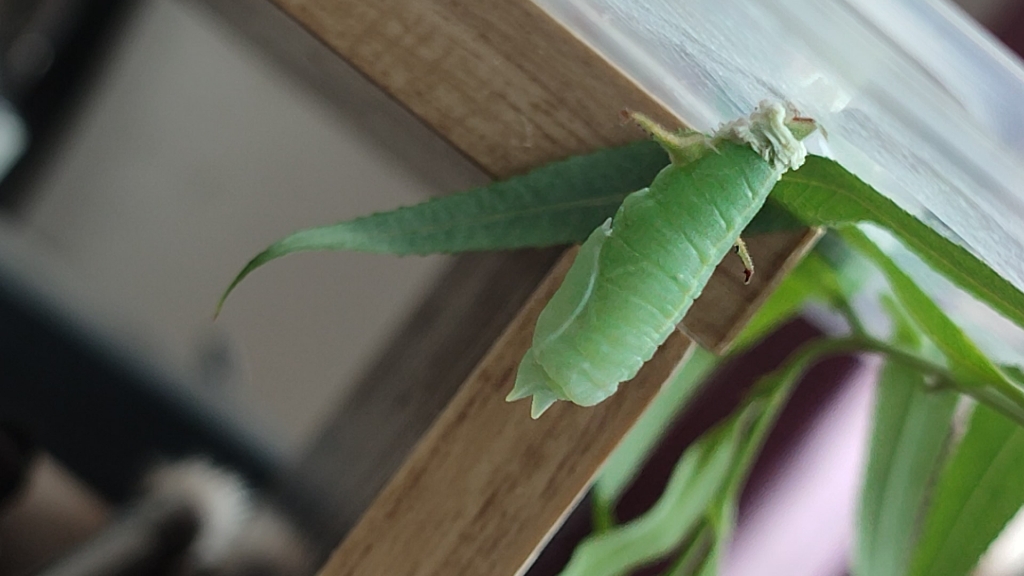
(148, 148)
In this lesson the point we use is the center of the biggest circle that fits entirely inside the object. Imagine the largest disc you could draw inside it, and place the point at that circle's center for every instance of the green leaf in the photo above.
(973, 371)
(813, 277)
(711, 472)
(694, 554)
(823, 193)
(696, 481)
(626, 460)
(911, 431)
(723, 521)
(702, 555)
(559, 203)
(772, 217)
(978, 492)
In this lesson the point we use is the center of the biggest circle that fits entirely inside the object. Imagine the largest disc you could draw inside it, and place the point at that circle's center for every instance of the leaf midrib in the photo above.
(975, 493)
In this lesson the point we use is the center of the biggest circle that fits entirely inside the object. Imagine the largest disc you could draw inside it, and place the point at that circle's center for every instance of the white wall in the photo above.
(194, 153)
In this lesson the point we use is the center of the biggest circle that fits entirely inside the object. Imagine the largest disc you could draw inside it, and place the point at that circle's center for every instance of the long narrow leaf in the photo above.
(977, 494)
(703, 555)
(695, 482)
(911, 430)
(974, 372)
(823, 193)
(723, 519)
(812, 278)
(694, 554)
(626, 460)
(559, 203)
(711, 471)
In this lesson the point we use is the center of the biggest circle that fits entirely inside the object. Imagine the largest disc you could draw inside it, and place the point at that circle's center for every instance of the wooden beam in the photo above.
(487, 486)
(499, 79)
(410, 383)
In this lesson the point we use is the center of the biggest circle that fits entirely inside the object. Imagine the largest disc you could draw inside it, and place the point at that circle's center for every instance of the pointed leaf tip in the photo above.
(260, 259)
(559, 203)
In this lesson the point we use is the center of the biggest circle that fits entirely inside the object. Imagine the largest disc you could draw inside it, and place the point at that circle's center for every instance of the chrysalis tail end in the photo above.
(541, 402)
(518, 393)
(531, 380)
(542, 399)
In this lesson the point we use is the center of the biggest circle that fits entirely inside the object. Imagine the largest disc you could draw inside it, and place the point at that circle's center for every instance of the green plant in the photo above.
(922, 492)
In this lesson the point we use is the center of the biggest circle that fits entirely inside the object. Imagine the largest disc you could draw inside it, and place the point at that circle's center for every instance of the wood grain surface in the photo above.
(408, 385)
(486, 486)
(499, 79)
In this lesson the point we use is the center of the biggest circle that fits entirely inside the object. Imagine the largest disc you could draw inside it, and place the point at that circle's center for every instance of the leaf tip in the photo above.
(253, 264)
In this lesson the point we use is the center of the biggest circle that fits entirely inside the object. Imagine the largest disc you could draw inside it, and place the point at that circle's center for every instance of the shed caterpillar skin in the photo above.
(637, 274)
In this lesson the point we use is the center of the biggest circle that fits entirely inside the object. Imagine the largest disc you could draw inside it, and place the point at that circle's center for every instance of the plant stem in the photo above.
(693, 553)
(813, 351)
(909, 359)
(1002, 396)
(852, 318)
(602, 516)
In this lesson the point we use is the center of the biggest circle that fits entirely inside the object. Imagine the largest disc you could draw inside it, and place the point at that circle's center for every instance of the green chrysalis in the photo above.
(636, 276)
